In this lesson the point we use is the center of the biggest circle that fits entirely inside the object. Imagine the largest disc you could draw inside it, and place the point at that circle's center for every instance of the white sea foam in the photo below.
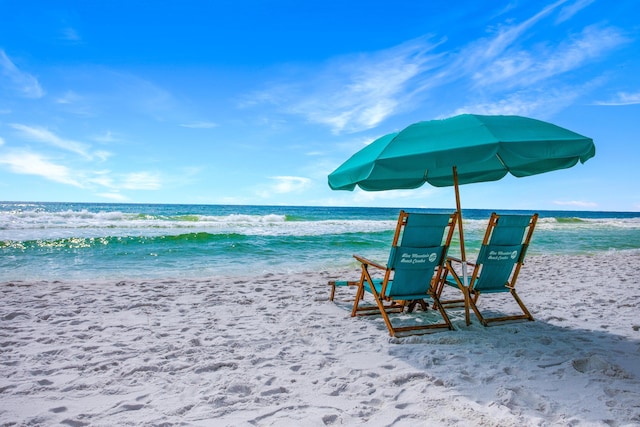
(31, 225)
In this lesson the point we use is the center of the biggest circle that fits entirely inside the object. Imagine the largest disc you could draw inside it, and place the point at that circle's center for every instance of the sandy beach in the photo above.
(271, 350)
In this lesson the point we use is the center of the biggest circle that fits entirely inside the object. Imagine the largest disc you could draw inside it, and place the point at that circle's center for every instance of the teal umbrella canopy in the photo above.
(461, 150)
(481, 148)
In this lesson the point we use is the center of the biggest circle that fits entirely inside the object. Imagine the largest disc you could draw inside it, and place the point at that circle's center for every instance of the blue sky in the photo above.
(256, 102)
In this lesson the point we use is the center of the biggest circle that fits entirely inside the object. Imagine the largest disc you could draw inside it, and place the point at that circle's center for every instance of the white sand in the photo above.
(272, 350)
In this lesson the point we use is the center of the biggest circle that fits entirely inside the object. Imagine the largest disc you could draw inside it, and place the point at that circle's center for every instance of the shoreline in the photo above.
(235, 272)
(270, 349)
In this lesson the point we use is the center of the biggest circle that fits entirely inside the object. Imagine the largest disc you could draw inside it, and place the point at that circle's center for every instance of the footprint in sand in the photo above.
(13, 315)
(596, 365)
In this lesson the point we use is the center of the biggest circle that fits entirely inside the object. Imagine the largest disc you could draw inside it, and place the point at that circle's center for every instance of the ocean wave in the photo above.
(39, 225)
(593, 223)
(17, 220)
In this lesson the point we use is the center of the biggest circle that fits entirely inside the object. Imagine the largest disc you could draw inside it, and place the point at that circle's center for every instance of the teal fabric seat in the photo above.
(497, 267)
(416, 264)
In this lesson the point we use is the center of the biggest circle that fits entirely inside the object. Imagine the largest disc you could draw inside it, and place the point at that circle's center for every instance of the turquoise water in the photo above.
(60, 241)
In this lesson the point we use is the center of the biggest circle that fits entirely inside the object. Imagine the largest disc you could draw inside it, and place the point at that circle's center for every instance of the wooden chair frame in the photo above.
(384, 305)
(471, 294)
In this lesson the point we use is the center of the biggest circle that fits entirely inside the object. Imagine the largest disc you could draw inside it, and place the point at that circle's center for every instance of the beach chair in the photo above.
(339, 284)
(416, 265)
(496, 269)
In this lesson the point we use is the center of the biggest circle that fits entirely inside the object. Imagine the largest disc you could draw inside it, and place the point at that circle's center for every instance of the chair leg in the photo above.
(413, 303)
(359, 293)
(359, 297)
(473, 299)
(521, 304)
(485, 321)
(383, 312)
(440, 308)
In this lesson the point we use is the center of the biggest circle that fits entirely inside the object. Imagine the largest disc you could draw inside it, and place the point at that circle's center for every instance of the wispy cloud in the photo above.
(519, 68)
(74, 103)
(423, 193)
(513, 69)
(45, 136)
(576, 204)
(113, 196)
(28, 163)
(199, 125)
(70, 34)
(141, 181)
(622, 98)
(22, 82)
(356, 92)
(284, 185)
(69, 97)
(106, 137)
(487, 50)
(289, 184)
(571, 9)
(538, 103)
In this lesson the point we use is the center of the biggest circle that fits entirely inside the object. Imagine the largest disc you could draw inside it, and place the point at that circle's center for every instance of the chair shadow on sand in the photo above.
(528, 369)
(536, 369)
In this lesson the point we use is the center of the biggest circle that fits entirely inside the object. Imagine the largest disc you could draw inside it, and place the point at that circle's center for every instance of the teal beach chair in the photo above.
(416, 266)
(497, 267)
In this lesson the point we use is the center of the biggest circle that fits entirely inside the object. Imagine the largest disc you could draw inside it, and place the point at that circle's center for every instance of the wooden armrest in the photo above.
(368, 262)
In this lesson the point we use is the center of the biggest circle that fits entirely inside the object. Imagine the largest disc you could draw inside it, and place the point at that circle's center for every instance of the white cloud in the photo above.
(69, 97)
(199, 125)
(622, 98)
(523, 68)
(421, 193)
(115, 182)
(141, 181)
(113, 196)
(357, 92)
(567, 12)
(103, 179)
(489, 53)
(540, 104)
(283, 185)
(508, 78)
(102, 155)
(74, 103)
(576, 203)
(106, 137)
(70, 34)
(28, 163)
(43, 135)
(515, 61)
(23, 82)
(289, 184)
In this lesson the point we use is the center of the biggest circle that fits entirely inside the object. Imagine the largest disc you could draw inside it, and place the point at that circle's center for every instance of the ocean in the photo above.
(87, 241)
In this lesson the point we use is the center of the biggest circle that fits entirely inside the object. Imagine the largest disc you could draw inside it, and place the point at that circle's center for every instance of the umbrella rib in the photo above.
(502, 161)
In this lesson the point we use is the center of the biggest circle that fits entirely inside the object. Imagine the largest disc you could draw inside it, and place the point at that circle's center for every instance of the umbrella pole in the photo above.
(460, 228)
(459, 209)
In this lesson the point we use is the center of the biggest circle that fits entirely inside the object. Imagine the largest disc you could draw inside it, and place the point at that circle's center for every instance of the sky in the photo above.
(256, 102)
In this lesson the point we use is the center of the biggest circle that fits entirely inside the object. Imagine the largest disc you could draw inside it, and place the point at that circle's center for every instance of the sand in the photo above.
(271, 350)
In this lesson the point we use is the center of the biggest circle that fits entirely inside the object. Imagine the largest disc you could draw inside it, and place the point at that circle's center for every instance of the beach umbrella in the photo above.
(461, 150)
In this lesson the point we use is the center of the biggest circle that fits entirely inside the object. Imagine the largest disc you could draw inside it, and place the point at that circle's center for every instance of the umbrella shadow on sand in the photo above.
(532, 370)
(578, 363)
